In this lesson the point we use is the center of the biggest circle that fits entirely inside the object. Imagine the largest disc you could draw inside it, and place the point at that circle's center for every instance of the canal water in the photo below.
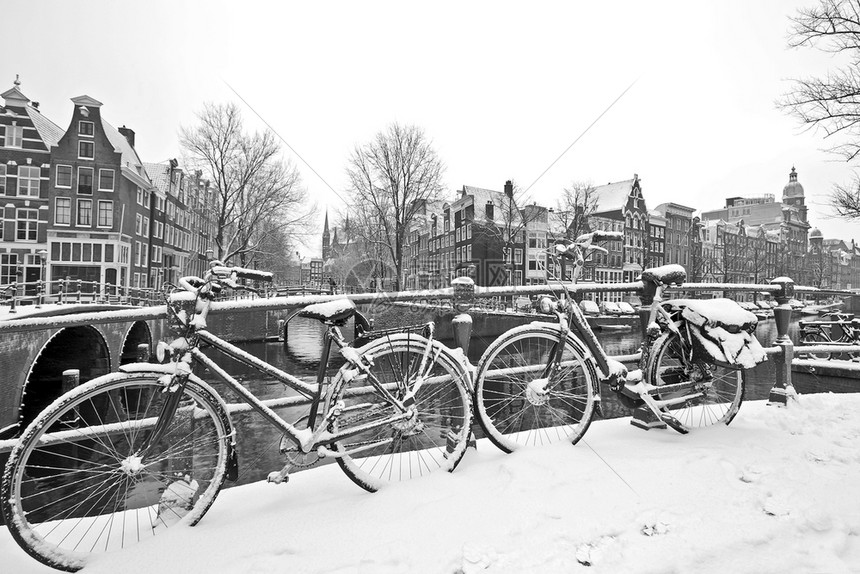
(299, 355)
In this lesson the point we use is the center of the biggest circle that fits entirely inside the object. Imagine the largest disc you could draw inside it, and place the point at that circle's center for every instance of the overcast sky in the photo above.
(502, 89)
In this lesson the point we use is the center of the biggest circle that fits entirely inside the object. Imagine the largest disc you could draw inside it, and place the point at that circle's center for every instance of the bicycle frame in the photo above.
(307, 439)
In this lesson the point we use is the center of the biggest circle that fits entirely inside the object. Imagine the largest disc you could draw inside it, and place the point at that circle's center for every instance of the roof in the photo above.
(481, 197)
(613, 196)
(159, 173)
(130, 159)
(48, 130)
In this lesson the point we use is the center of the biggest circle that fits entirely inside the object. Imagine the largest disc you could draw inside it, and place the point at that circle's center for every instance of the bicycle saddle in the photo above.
(667, 275)
(335, 312)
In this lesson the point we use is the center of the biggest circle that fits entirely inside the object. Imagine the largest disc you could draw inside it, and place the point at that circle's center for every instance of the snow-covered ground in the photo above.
(777, 491)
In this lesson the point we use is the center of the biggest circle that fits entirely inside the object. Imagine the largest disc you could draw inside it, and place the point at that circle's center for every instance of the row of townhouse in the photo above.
(750, 240)
(79, 204)
(507, 244)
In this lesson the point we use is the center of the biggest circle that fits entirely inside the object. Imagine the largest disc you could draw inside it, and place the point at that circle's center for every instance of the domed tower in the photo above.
(816, 240)
(792, 194)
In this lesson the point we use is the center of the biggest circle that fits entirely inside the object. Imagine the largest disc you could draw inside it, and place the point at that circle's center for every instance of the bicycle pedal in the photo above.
(644, 419)
(277, 477)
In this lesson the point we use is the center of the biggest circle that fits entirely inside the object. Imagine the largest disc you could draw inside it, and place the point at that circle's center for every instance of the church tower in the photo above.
(326, 239)
(792, 194)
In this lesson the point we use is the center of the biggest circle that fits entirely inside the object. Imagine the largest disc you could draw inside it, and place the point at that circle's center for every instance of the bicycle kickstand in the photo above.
(649, 416)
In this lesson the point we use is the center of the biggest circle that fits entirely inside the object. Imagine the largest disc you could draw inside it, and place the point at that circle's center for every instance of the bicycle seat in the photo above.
(335, 312)
(666, 275)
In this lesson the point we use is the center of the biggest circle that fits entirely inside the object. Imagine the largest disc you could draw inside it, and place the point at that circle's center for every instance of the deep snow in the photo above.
(777, 491)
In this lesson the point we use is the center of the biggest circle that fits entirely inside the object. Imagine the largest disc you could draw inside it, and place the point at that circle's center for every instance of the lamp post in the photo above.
(301, 259)
(43, 259)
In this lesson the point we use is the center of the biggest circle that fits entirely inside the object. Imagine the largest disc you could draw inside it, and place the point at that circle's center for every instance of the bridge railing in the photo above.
(463, 296)
(63, 291)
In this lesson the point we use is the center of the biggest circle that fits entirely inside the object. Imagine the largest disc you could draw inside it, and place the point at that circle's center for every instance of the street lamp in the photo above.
(43, 257)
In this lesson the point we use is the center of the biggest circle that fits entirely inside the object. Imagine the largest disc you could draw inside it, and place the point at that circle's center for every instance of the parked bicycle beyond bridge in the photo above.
(127, 455)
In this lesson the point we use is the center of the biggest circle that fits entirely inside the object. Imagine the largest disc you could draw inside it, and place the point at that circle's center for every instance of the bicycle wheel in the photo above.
(74, 485)
(722, 387)
(814, 338)
(518, 405)
(434, 439)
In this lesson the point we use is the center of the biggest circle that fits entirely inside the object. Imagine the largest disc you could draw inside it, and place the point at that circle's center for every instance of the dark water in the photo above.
(258, 440)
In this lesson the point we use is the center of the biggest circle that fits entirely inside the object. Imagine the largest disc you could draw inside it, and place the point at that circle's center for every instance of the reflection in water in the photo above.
(258, 441)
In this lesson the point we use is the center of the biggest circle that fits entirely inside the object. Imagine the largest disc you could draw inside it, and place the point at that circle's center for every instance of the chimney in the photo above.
(509, 188)
(128, 133)
(35, 105)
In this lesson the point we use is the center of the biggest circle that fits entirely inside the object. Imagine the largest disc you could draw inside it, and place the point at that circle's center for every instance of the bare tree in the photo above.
(845, 200)
(574, 208)
(831, 102)
(389, 177)
(258, 195)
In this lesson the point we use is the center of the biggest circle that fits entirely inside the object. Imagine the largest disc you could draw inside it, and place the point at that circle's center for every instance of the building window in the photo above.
(2, 179)
(8, 268)
(64, 176)
(85, 180)
(85, 212)
(518, 257)
(27, 224)
(85, 128)
(139, 196)
(105, 180)
(63, 211)
(138, 224)
(28, 181)
(86, 150)
(14, 136)
(105, 217)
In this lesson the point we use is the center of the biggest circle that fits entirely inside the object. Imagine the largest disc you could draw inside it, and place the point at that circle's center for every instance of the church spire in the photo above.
(326, 243)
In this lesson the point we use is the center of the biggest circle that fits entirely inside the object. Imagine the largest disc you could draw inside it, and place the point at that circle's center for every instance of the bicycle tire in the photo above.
(510, 412)
(814, 338)
(434, 440)
(723, 384)
(63, 499)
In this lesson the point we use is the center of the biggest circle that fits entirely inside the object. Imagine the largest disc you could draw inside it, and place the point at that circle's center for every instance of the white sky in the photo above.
(501, 88)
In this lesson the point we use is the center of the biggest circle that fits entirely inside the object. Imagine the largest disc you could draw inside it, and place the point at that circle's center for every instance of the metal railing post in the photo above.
(40, 287)
(71, 379)
(464, 297)
(782, 386)
(14, 297)
(646, 296)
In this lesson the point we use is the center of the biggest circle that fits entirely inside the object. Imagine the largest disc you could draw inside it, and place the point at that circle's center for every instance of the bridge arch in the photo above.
(83, 348)
(137, 334)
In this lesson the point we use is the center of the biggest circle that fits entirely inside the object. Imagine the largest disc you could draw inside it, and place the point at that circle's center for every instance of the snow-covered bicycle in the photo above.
(127, 455)
(539, 383)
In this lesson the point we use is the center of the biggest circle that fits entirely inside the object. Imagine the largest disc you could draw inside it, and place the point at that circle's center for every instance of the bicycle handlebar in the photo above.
(222, 271)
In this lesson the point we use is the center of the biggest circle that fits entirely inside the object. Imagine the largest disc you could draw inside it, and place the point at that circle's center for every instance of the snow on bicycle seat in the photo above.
(666, 274)
(334, 312)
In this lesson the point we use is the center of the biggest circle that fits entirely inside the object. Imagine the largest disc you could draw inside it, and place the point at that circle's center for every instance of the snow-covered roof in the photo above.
(613, 196)
(130, 159)
(159, 173)
(48, 130)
